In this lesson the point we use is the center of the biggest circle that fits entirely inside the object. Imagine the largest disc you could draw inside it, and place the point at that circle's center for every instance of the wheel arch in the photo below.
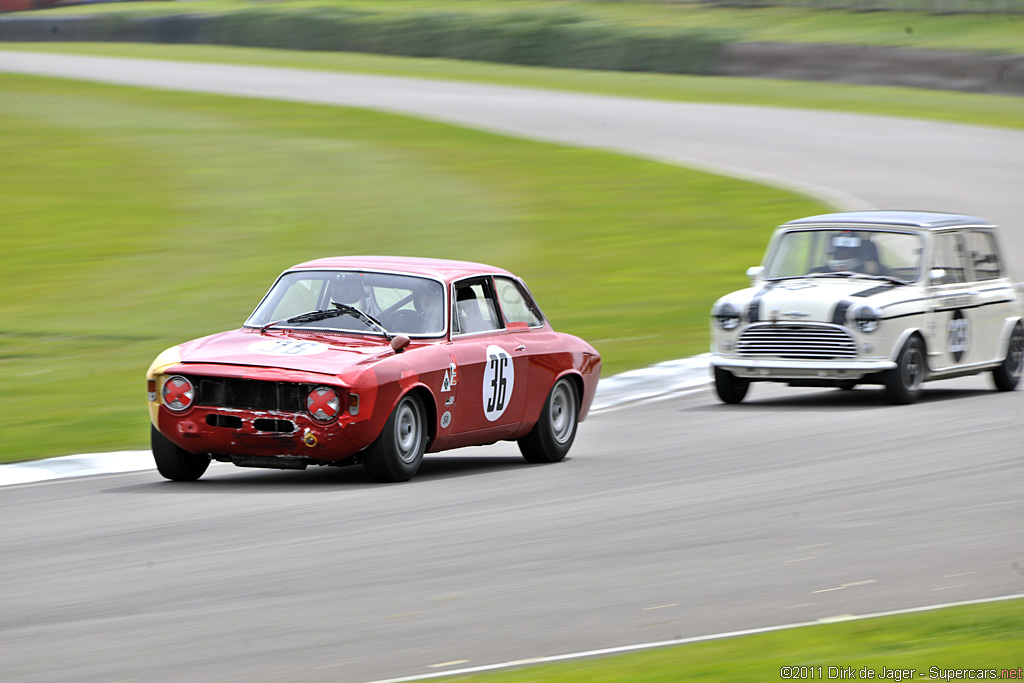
(1004, 335)
(429, 403)
(897, 348)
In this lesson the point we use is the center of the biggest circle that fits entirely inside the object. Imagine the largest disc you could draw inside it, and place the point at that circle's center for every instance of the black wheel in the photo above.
(397, 453)
(729, 387)
(552, 436)
(176, 463)
(903, 383)
(1007, 375)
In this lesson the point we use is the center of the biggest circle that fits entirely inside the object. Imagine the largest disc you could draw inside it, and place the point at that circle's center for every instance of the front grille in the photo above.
(251, 394)
(797, 341)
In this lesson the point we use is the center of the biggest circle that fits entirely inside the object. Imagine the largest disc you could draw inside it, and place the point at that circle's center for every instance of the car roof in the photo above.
(442, 269)
(924, 220)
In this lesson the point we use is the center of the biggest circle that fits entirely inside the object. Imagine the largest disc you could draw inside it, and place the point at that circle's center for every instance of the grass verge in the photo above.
(984, 639)
(956, 107)
(135, 219)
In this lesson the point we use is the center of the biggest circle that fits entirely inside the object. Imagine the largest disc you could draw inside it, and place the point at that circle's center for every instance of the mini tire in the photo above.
(397, 453)
(552, 436)
(729, 387)
(903, 383)
(1007, 374)
(174, 462)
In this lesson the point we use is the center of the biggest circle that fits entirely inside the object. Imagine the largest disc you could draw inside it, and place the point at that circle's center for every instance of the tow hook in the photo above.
(309, 438)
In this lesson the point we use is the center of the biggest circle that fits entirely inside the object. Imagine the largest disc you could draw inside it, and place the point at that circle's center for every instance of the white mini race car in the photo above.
(895, 298)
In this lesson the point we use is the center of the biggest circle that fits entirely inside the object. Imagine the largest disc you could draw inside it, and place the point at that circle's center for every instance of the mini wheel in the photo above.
(173, 462)
(903, 383)
(397, 453)
(729, 387)
(552, 436)
(1007, 375)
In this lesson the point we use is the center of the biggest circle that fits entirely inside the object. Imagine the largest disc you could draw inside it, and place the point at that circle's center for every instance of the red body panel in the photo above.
(477, 388)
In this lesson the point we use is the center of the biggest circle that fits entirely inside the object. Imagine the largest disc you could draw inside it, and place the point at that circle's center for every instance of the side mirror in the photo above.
(399, 342)
(936, 276)
(754, 273)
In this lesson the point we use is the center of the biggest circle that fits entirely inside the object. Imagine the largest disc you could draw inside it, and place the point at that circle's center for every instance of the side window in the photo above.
(981, 249)
(949, 256)
(516, 304)
(475, 309)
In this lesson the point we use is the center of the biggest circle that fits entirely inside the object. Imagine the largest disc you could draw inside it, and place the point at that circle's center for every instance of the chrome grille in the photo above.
(796, 341)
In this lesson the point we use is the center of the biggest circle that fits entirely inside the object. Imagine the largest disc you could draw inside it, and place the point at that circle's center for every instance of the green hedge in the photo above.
(543, 38)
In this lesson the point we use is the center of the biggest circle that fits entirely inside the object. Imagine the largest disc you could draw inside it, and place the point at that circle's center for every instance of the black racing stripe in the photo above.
(754, 308)
(964, 308)
(903, 315)
(874, 290)
(839, 314)
(905, 301)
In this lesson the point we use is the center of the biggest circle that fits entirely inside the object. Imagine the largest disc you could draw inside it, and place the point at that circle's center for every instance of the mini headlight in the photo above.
(727, 315)
(867, 318)
(323, 403)
(178, 393)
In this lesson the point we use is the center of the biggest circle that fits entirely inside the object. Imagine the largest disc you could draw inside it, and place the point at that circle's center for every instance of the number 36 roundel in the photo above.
(499, 378)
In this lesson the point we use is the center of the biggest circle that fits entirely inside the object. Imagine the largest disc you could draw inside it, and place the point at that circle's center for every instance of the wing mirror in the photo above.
(399, 342)
(936, 276)
(754, 273)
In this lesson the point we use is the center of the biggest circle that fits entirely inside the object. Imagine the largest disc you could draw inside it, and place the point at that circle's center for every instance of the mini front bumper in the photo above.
(790, 369)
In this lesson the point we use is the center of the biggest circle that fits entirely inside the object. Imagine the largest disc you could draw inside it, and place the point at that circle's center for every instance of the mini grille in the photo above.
(250, 394)
(797, 341)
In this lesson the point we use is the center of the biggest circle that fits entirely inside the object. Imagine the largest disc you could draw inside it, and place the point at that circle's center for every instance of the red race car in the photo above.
(373, 360)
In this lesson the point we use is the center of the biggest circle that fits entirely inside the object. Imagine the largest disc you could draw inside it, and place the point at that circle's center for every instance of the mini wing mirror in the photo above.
(399, 342)
(754, 273)
(936, 276)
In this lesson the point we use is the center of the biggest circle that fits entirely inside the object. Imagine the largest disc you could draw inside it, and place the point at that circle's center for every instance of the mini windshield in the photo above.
(879, 253)
(404, 304)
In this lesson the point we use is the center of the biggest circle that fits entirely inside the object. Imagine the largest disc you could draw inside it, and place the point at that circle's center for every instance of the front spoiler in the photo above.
(789, 369)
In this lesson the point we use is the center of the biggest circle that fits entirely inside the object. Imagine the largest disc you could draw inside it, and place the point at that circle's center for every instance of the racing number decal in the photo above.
(499, 380)
(959, 335)
(287, 347)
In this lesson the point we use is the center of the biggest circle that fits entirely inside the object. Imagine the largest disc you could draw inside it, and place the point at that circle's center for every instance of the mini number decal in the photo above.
(499, 379)
(287, 347)
(959, 335)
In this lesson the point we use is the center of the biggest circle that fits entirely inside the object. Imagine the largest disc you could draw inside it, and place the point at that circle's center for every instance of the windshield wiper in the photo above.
(345, 308)
(838, 273)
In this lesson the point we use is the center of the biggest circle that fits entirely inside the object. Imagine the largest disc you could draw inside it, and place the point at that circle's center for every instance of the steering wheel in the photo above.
(405, 321)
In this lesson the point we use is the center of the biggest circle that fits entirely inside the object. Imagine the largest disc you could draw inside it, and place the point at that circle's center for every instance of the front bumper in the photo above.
(783, 369)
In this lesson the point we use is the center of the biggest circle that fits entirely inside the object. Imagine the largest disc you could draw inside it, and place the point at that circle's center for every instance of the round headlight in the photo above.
(867, 318)
(178, 393)
(323, 403)
(727, 315)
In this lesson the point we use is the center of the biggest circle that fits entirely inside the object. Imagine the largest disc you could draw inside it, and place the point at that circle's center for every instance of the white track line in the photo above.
(684, 641)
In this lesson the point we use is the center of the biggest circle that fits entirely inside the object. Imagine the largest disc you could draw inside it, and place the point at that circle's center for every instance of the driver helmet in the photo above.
(847, 252)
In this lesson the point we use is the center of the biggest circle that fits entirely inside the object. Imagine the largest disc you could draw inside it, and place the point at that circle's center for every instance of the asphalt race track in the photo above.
(670, 519)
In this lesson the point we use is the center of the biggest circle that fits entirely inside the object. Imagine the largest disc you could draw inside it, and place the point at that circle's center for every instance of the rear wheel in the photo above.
(1007, 375)
(729, 387)
(397, 453)
(552, 436)
(903, 383)
(176, 463)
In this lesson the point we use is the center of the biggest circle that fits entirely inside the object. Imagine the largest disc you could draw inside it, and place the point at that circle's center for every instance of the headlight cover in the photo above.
(178, 393)
(867, 318)
(323, 404)
(726, 315)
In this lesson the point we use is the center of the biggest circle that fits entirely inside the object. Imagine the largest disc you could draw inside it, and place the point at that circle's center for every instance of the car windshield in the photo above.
(403, 304)
(885, 254)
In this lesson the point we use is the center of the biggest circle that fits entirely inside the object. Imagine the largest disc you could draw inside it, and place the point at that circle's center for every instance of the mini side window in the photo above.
(982, 253)
(949, 256)
(516, 304)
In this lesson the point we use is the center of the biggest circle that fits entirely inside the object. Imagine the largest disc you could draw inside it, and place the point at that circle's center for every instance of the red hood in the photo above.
(326, 354)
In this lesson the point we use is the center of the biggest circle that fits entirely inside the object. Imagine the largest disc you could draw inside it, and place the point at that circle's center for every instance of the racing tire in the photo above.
(729, 387)
(552, 436)
(1007, 375)
(397, 453)
(903, 383)
(174, 462)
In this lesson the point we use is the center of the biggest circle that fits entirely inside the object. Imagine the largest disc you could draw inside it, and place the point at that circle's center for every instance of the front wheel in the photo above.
(173, 462)
(1007, 375)
(552, 436)
(397, 453)
(729, 387)
(903, 383)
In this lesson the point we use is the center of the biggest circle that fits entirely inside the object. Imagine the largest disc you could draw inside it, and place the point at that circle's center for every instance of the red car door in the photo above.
(491, 370)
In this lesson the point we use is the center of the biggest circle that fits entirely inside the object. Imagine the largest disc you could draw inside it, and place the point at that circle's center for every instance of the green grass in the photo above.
(992, 110)
(987, 637)
(983, 33)
(135, 219)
